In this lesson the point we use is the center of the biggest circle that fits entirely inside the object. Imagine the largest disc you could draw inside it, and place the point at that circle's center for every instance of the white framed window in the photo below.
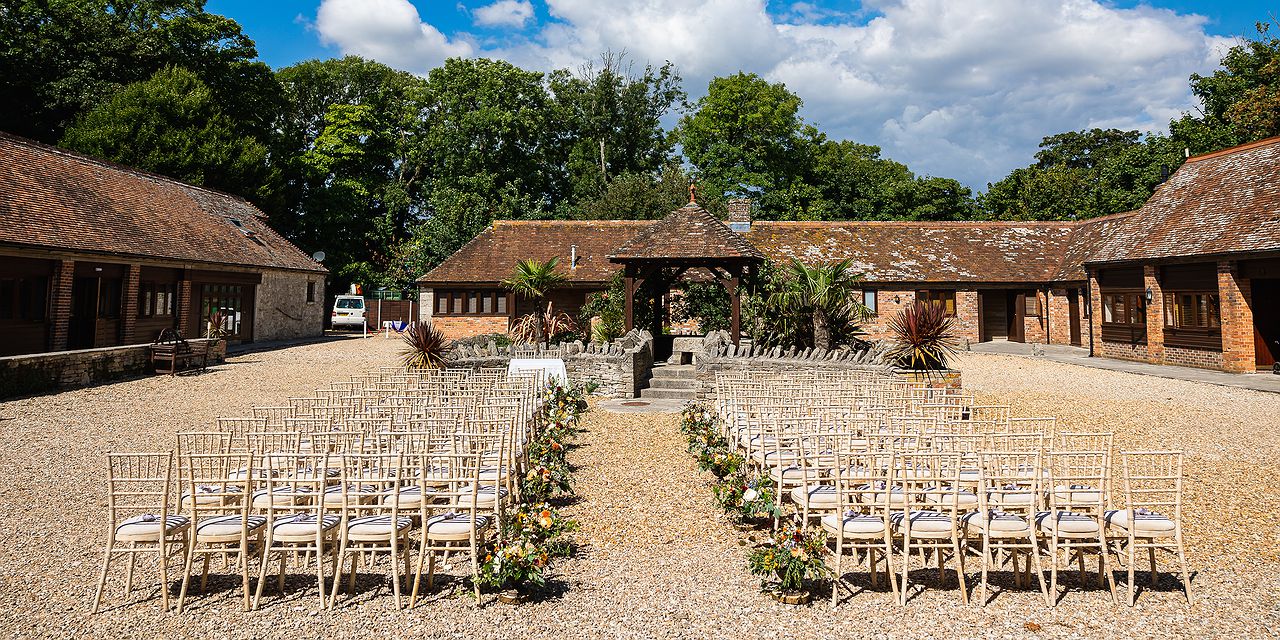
(869, 300)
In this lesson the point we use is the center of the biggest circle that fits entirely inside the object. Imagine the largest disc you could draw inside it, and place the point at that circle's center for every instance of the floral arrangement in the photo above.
(697, 420)
(513, 564)
(543, 526)
(546, 481)
(719, 461)
(788, 558)
(747, 496)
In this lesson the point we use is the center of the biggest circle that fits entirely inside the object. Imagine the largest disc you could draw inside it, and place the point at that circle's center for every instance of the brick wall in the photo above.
(1058, 310)
(60, 305)
(1033, 327)
(1200, 358)
(129, 317)
(1238, 350)
(455, 327)
(185, 324)
(1155, 313)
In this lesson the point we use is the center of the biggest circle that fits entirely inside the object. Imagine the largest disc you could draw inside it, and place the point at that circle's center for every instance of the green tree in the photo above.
(746, 134)
(823, 293)
(171, 124)
(535, 280)
(1239, 101)
(62, 58)
(608, 122)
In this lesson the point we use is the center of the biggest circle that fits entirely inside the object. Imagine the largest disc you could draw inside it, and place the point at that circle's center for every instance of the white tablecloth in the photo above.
(554, 367)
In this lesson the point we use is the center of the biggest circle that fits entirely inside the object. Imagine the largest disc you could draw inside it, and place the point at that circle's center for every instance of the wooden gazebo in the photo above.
(688, 238)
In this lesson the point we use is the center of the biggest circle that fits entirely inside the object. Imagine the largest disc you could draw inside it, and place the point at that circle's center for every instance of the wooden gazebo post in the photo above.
(629, 286)
(735, 302)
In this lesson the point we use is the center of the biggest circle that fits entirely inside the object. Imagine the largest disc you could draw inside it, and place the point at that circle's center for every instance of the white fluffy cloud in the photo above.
(960, 88)
(390, 31)
(504, 13)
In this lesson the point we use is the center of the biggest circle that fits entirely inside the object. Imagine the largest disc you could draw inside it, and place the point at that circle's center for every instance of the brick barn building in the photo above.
(1191, 278)
(93, 254)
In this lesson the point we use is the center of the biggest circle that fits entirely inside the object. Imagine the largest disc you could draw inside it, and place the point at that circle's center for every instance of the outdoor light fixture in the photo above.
(897, 299)
(1150, 296)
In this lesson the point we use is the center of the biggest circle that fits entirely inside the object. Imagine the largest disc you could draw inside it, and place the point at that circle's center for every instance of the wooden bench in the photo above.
(171, 353)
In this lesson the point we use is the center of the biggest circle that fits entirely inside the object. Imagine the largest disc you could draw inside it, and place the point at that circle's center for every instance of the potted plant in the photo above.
(922, 338)
(719, 461)
(544, 527)
(513, 567)
(424, 347)
(786, 560)
(747, 496)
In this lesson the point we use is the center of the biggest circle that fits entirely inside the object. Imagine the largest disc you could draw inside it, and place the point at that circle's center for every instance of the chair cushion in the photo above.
(227, 526)
(302, 525)
(213, 494)
(147, 527)
(1077, 494)
(821, 496)
(484, 495)
(333, 495)
(376, 526)
(791, 475)
(998, 521)
(1067, 522)
(961, 498)
(1012, 497)
(1147, 522)
(453, 525)
(411, 497)
(923, 522)
(280, 496)
(858, 524)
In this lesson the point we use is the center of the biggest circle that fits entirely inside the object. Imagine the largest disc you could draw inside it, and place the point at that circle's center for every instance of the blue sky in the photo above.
(957, 88)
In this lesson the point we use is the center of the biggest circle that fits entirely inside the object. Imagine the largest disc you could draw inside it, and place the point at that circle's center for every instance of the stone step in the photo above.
(673, 383)
(680, 371)
(669, 394)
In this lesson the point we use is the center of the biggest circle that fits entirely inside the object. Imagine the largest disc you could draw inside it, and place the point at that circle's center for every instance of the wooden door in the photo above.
(1073, 315)
(1017, 305)
(1266, 321)
(84, 313)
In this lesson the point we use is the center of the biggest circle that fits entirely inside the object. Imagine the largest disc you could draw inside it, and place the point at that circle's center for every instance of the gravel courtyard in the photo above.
(656, 561)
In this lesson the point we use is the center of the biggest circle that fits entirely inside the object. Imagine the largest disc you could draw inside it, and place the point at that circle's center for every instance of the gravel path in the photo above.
(656, 560)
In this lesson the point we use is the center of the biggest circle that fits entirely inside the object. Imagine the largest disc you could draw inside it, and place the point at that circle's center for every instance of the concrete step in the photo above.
(681, 371)
(673, 383)
(669, 394)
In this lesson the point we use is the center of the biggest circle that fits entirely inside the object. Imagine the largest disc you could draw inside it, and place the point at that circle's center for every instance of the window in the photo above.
(350, 303)
(109, 298)
(869, 300)
(947, 299)
(471, 302)
(1129, 308)
(311, 292)
(1031, 306)
(156, 299)
(1192, 310)
(227, 299)
(24, 298)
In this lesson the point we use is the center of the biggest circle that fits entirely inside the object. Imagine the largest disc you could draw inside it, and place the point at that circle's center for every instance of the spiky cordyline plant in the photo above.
(922, 337)
(525, 330)
(425, 347)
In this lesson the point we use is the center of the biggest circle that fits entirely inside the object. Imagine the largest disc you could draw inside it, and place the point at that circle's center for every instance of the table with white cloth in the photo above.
(553, 368)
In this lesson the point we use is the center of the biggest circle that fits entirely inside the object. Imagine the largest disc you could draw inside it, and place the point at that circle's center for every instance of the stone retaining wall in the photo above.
(42, 372)
(621, 368)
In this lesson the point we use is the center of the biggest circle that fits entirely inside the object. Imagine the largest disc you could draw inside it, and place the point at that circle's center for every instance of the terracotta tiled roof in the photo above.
(1220, 203)
(924, 251)
(1085, 239)
(490, 256)
(51, 198)
(687, 233)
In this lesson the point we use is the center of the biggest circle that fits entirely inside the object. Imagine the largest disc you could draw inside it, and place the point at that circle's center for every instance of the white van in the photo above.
(348, 312)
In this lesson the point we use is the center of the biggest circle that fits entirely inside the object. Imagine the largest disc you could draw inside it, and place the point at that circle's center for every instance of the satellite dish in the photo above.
(318, 256)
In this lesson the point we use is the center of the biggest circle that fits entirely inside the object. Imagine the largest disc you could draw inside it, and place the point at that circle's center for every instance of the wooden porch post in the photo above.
(735, 298)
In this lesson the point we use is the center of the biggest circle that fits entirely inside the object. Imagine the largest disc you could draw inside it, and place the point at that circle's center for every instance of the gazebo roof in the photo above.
(688, 233)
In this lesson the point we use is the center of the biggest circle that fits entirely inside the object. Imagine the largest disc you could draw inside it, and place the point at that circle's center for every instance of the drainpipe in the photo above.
(1048, 337)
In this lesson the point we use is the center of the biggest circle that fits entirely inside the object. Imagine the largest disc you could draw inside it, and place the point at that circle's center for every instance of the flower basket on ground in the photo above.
(787, 560)
(544, 527)
(747, 496)
(719, 461)
(513, 568)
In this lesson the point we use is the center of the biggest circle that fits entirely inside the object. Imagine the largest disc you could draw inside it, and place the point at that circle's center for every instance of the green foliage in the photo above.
(535, 280)
(805, 305)
(609, 306)
(788, 558)
(1241, 100)
(747, 495)
(60, 59)
(922, 337)
(171, 124)
(706, 302)
(513, 564)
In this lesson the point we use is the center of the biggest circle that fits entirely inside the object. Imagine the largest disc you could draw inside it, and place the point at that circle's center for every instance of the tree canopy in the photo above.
(389, 172)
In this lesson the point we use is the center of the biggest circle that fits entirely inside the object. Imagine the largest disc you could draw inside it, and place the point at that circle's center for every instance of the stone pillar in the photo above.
(1234, 301)
(60, 304)
(185, 325)
(129, 313)
(1155, 313)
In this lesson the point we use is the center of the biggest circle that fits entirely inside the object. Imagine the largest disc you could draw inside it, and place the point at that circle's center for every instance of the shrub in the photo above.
(789, 557)
(425, 347)
(922, 338)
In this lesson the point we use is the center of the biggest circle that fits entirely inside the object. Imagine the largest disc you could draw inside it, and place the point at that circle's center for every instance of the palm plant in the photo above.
(536, 279)
(822, 293)
(425, 347)
(922, 337)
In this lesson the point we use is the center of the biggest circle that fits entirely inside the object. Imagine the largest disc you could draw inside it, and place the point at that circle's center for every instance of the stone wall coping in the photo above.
(77, 352)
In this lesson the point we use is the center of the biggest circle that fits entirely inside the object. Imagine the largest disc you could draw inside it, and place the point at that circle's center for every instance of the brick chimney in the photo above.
(740, 214)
